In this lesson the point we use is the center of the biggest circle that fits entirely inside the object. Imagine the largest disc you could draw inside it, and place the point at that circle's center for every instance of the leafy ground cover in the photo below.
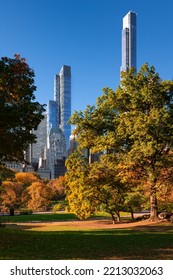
(86, 240)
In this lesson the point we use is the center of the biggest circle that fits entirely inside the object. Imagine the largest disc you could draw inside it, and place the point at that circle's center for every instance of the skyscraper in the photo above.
(129, 41)
(58, 130)
(62, 97)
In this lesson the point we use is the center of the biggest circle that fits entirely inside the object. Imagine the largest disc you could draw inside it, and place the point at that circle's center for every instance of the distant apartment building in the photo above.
(129, 41)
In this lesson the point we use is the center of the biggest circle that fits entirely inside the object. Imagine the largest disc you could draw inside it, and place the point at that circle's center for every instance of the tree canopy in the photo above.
(134, 124)
(20, 114)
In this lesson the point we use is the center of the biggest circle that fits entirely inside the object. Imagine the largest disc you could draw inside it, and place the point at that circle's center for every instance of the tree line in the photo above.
(26, 192)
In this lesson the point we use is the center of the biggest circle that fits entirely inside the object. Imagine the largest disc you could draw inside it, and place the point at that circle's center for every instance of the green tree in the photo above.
(136, 124)
(20, 114)
(146, 126)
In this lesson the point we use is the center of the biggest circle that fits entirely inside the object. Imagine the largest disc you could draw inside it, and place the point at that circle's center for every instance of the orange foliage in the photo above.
(26, 178)
(11, 193)
(57, 186)
(37, 196)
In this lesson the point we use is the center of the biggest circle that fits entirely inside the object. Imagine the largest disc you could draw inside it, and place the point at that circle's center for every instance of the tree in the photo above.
(145, 105)
(136, 124)
(93, 186)
(58, 188)
(165, 193)
(106, 187)
(26, 178)
(20, 114)
(11, 193)
(12, 189)
(78, 193)
(37, 196)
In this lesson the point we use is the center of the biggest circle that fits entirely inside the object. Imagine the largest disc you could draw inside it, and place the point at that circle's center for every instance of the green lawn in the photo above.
(50, 217)
(28, 242)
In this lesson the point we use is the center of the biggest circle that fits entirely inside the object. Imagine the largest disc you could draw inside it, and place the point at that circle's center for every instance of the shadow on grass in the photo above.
(135, 243)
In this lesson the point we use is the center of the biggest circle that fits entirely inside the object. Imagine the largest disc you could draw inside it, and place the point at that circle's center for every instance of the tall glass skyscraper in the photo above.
(129, 41)
(59, 109)
(58, 130)
(62, 97)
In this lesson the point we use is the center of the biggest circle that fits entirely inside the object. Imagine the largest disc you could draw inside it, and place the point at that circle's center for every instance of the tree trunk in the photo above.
(153, 205)
(11, 211)
(132, 214)
(118, 216)
(113, 218)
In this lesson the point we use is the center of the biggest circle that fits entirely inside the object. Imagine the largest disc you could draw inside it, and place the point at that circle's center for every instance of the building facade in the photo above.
(129, 41)
(56, 153)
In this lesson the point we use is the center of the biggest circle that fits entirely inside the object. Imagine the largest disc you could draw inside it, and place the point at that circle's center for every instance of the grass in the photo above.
(98, 244)
(51, 217)
(58, 243)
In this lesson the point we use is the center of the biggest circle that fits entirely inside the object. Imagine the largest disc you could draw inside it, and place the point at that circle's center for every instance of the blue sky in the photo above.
(85, 34)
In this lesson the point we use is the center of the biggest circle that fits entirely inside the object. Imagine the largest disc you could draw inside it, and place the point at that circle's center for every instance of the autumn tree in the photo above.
(58, 188)
(93, 186)
(165, 190)
(26, 178)
(10, 194)
(37, 196)
(78, 194)
(12, 189)
(20, 114)
(134, 123)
